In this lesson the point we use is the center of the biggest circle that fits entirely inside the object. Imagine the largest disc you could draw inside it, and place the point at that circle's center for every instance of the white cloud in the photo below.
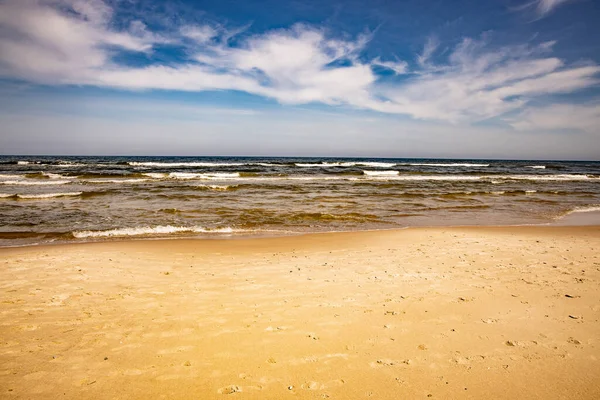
(201, 34)
(541, 8)
(546, 6)
(478, 84)
(398, 67)
(429, 49)
(74, 41)
(42, 44)
(559, 116)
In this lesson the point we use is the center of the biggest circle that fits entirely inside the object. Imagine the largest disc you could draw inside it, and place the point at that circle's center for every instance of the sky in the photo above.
(507, 79)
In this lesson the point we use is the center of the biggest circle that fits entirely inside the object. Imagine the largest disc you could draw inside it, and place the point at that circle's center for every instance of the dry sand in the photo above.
(448, 313)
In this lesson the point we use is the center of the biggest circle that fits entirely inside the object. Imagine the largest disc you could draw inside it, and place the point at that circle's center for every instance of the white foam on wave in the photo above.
(208, 175)
(392, 176)
(54, 176)
(5, 195)
(34, 183)
(182, 164)
(151, 230)
(265, 164)
(448, 165)
(536, 166)
(137, 180)
(215, 187)
(48, 195)
(435, 178)
(10, 176)
(348, 164)
(561, 177)
(22, 162)
(156, 175)
(380, 173)
(69, 164)
(294, 178)
(595, 208)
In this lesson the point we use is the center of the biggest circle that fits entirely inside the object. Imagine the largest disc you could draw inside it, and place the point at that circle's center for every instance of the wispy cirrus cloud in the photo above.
(546, 6)
(541, 8)
(73, 42)
(477, 83)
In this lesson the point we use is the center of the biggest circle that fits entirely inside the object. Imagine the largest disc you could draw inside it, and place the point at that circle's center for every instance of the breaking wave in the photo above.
(447, 165)
(348, 164)
(140, 180)
(182, 164)
(207, 175)
(152, 230)
(380, 173)
(48, 195)
(585, 209)
(34, 183)
(219, 188)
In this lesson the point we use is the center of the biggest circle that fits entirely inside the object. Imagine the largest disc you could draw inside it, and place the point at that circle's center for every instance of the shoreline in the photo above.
(572, 220)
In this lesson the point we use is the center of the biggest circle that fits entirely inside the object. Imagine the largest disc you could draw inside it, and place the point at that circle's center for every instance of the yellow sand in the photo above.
(447, 313)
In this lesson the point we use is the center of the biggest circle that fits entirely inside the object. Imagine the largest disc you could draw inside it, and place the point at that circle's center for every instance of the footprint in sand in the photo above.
(229, 389)
(572, 340)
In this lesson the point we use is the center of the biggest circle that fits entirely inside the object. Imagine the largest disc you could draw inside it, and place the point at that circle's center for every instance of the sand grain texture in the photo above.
(450, 313)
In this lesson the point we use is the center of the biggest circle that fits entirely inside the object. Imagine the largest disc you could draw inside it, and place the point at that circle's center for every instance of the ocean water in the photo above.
(58, 199)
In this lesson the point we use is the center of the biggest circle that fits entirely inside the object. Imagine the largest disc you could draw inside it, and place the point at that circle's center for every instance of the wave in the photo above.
(356, 217)
(47, 195)
(388, 175)
(496, 193)
(560, 177)
(182, 164)
(348, 164)
(94, 181)
(380, 173)
(218, 188)
(34, 183)
(421, 177)
(492, 178)
(152, 230)
(207, 175)
(536, 166)
(69, 164)
(373, 175)
(45, 175)
(595, 208)
(446, 165)
(156, 175)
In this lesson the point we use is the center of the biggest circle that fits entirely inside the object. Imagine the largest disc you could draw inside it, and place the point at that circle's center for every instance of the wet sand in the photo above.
(445, 313)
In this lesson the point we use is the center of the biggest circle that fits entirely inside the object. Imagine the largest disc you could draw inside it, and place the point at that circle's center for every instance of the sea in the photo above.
(46, 199)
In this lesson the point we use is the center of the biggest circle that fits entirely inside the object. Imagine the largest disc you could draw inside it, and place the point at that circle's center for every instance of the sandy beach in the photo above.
(449, 313)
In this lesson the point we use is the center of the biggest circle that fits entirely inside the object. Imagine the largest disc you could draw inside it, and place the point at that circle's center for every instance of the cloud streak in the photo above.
(544, 7)
(74, 42)
(541, 8)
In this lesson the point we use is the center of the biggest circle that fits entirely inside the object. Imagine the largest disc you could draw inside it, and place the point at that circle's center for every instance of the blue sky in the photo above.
(473, 79)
